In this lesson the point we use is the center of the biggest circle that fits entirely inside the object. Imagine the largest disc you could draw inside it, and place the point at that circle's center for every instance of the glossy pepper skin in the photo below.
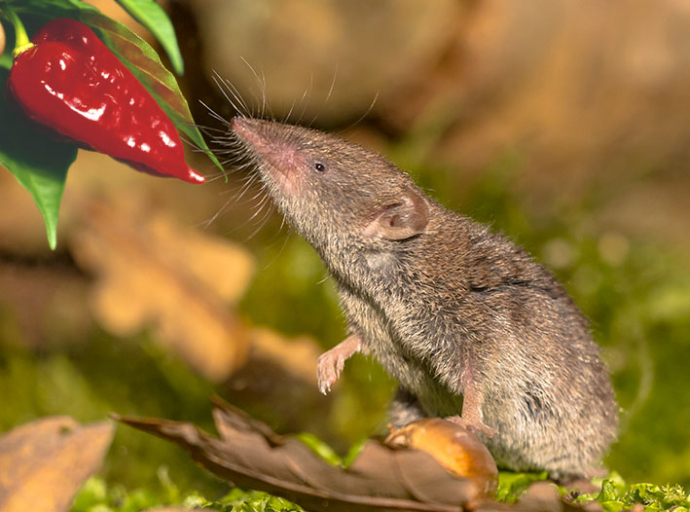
(70, 82)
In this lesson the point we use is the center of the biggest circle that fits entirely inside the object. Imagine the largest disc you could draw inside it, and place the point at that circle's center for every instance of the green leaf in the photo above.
(511, 486)
(49, 9)
(33, 6)
(609, 492)
(353, 452)
(239, 500)
(38, 162)
(153, 17)
(327, 453)
(320, 448)
(612, 506)
(92, 493)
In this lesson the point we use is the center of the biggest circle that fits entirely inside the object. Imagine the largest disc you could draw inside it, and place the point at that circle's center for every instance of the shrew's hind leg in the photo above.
(405, 408)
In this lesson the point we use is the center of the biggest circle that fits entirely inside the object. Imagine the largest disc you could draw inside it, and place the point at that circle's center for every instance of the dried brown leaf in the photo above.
(153, 273)
(44, 463)
(454, 447)
(249, 454)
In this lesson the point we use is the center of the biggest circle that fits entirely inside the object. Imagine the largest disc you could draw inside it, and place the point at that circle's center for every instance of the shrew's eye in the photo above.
(319, 167)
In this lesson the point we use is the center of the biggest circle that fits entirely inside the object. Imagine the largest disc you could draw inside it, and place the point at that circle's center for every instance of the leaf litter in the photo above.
(249, 454)
(383, 477)
(44, 463)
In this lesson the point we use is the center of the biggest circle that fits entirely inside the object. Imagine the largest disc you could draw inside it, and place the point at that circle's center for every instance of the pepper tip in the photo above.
(195, 177)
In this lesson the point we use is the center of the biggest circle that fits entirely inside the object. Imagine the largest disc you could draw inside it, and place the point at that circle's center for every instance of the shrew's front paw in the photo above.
(331, 363)
(330, 366)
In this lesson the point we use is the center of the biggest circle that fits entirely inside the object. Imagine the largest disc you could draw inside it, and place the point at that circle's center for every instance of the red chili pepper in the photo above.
(72, 83)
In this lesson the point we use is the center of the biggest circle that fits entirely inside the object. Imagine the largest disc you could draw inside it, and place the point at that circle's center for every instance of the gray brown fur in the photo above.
(451, 298)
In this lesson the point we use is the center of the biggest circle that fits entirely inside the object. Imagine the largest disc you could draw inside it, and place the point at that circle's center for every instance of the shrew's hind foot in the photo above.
(473, 425)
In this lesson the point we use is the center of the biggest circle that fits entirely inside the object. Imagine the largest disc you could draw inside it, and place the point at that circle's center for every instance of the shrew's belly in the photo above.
(413, 374)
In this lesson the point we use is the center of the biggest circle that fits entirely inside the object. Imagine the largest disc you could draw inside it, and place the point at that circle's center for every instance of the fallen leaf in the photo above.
(381, 479)
(454, 447)
(250, 454)
(152, 273)
(44, 463)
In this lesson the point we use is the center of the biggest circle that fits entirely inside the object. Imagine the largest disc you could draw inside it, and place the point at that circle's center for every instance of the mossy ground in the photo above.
(616, 495)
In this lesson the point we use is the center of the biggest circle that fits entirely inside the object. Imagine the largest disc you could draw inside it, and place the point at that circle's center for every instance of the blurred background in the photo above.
(562, 123)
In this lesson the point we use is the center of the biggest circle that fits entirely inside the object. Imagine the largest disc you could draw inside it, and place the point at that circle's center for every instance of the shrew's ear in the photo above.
(400, 220)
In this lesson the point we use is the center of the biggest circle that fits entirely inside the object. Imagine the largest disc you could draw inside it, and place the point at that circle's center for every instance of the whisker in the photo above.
(230, 89)
(364, 115)
(303, 99)
(230, 150)
(215, 115)
(323, 279)
(227, 92)
(328, 97)
(263, 221)
(280, 251)
(262, 86)
(287, 117)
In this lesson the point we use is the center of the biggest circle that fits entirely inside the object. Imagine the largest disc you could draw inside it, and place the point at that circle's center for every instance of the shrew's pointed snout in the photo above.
(271, 144)
(244, 123)
(259, 133)
(246, 128)
(256, 134)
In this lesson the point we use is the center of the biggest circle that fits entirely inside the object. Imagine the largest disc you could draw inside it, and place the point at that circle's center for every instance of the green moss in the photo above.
(97, 496)
(511, 486)
(616, 495)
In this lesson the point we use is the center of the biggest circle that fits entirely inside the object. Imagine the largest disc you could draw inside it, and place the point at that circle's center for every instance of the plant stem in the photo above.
(22, 42)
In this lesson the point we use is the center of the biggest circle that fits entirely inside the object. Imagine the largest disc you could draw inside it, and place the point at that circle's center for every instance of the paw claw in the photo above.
(329, 370)
(331, 364)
